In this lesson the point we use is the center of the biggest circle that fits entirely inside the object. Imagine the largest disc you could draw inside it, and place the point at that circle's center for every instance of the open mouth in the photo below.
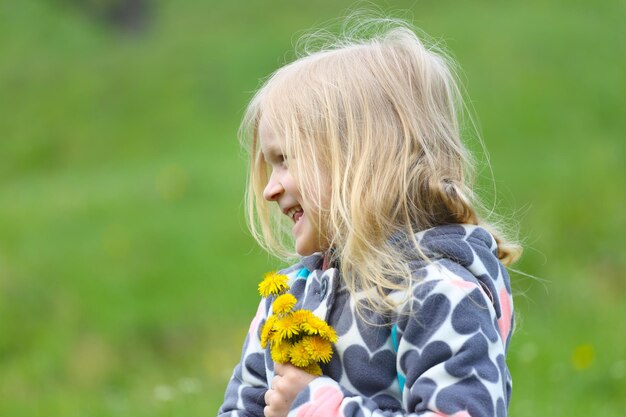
(295, 213)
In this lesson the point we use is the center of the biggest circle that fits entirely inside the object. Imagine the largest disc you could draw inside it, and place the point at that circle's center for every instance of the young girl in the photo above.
(356, 156)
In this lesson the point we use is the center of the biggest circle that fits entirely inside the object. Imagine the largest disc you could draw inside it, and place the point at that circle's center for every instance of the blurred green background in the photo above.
(127, 276)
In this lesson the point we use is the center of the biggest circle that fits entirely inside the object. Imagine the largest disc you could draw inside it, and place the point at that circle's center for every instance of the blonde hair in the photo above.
(373, 124)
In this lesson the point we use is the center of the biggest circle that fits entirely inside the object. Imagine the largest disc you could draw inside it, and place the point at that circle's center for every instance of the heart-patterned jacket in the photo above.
(446, 358)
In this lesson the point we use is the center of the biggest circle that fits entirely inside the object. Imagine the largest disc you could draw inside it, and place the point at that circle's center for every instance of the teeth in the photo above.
(292, 211)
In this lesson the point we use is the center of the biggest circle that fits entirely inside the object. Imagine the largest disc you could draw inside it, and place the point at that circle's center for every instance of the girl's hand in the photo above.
(286, 385)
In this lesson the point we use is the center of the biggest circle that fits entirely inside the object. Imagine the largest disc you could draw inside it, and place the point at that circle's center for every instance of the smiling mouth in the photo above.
(295, 213)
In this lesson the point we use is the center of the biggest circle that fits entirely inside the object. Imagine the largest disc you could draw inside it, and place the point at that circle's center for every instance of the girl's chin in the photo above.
(306, 247)
(306, 237)
(304, 253)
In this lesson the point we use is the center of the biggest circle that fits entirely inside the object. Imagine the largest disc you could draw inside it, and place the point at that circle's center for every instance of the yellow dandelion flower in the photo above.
(313, 325)
(582, 357)
(300, 356)
(273, 283)
(319, 348)
(280, 352)
(313, 369)
(268, 329)
(329, 334)
(284, 303)
(302, 316)
(286, 327)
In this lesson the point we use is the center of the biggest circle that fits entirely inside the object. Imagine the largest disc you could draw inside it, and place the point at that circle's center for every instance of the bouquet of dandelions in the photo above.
(298, 337)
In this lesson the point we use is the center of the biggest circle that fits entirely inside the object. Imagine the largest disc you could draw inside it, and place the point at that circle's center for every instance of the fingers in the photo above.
(276, 404)
(283, 369)
(288, 381)
(271, 412)
(270, 408)
(280, 368)
(275, 381)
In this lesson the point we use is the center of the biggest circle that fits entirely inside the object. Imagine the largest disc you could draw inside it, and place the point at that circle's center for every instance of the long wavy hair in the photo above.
(371, 126)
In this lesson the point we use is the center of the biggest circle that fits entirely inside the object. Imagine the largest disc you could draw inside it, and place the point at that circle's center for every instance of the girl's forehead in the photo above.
(269, 122)
(269, 139)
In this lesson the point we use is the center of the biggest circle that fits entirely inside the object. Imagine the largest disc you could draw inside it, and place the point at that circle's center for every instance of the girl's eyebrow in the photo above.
(272, 151)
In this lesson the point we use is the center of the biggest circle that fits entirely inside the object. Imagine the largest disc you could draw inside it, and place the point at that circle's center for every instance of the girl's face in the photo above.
(282, 189)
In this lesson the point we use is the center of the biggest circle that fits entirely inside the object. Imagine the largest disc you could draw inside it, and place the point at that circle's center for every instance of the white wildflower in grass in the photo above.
(189, 385)
(163, 393)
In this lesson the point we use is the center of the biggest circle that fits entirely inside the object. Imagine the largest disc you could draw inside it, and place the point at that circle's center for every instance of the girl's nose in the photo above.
(273, 189)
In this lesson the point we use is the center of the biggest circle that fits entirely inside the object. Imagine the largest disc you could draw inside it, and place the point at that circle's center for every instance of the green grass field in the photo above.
(127, 276)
